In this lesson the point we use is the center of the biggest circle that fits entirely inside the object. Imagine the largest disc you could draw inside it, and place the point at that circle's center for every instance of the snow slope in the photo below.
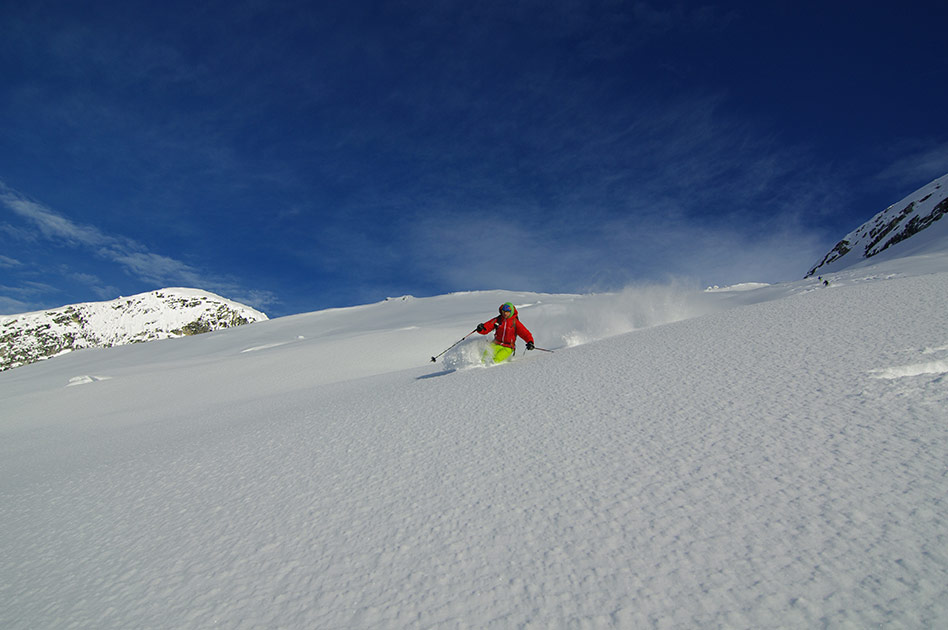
(771, 457)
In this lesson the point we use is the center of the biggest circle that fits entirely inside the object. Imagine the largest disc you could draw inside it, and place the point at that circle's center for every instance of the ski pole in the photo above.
(543, 349)
(434, 359)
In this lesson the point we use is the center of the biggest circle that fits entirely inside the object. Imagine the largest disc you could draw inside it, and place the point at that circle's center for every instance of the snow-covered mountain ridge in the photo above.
(162, 314)
(893, 226)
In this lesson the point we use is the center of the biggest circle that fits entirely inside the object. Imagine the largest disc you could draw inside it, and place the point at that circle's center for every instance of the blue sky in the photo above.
(303, 155)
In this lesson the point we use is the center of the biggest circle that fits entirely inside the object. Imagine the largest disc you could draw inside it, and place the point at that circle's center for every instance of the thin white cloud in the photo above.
(155, 267)
(130, 255)
(102, 290)
(8, 263)
(682, 189)
(919, 166)
(10, 306)
(51, 225)
(22, 299)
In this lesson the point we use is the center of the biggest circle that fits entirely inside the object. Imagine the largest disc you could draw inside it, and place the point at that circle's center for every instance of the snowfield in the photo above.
(770, 456)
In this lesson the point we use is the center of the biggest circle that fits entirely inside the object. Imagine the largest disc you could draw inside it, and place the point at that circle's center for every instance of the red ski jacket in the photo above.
(507, 329)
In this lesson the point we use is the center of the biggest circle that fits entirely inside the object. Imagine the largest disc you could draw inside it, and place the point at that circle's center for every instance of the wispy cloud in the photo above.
(130, 255)
(673, 187)
(8, 263)
(10, 306)
(51, 225)
(918, 165)
(468, 253)
(22, 298)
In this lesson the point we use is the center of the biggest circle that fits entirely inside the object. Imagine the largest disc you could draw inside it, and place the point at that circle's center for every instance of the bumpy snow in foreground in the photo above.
(773, 457)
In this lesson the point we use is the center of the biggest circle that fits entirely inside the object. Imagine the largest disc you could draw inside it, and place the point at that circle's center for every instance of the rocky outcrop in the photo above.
(897, 223)
(162, 314)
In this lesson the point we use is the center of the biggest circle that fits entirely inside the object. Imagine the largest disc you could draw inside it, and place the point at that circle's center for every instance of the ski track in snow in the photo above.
(86, 379)
(939, 366)
(742, 469)
(266, 346)
(915, 369)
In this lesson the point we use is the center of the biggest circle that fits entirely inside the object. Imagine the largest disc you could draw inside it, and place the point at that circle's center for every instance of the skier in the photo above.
(507, 327)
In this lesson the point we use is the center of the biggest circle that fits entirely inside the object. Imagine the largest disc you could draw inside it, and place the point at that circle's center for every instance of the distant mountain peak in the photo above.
(162, 314)
(907, 219)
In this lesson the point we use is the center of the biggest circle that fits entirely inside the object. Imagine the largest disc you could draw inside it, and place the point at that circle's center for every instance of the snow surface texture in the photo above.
(772, 457)
(912, 226)
(161, 314)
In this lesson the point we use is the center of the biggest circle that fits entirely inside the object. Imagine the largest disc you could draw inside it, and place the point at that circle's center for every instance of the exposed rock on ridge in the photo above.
(897, 223)
(162, 314)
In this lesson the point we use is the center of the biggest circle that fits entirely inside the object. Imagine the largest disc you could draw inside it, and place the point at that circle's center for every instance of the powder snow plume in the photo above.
(634, 308)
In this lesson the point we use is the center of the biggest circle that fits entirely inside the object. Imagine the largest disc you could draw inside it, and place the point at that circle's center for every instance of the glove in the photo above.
(530, 345)
(480, 328)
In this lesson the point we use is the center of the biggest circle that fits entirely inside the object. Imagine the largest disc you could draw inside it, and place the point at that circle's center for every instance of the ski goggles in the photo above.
(506, 310)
